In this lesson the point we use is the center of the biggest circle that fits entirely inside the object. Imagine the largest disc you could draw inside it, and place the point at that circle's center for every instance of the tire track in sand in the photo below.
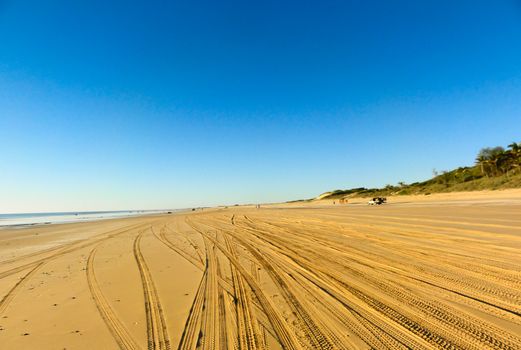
(211, 321)
(190, 339)
(63, 246)
(208, 325)
(280, 327)
(115, 326)
(195, 246)
(193, 334)
(157, 332)
(249, 335)
(69, 249)
(6, 300)
(316, 332)
(372, 319)
(468, 335)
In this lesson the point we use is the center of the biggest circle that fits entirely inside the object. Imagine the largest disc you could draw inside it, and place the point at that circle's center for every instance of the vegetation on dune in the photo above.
(495, 168)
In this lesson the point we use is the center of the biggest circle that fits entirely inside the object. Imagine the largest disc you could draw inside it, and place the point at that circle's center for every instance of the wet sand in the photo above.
(421, 274)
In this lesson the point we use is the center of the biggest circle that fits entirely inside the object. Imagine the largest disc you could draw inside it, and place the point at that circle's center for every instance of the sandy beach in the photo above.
(443, 271)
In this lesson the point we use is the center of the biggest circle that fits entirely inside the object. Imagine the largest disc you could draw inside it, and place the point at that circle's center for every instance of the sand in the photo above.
(442, 272)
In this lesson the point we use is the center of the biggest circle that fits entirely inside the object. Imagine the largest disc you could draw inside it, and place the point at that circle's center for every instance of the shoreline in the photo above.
(88, 285)
(73, 217)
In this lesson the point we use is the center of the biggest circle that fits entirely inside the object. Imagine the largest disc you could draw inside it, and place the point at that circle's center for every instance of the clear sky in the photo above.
(167, 104)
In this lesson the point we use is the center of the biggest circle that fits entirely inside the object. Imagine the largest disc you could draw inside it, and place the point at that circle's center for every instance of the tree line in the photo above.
(496, 161)
(495, 168)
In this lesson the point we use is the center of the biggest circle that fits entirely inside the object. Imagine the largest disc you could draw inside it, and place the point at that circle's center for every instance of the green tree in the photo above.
(488, 159)
(514, 153)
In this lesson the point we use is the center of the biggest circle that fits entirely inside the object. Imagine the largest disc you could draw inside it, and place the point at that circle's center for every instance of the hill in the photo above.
(495, 168)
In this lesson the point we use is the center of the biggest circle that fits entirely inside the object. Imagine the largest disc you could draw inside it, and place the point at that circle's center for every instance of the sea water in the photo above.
(25, 219)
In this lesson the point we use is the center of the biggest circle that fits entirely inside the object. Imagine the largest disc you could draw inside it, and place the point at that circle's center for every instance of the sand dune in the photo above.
(399, 276)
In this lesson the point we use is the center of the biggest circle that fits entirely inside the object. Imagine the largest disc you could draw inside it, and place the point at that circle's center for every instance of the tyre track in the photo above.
(195, 246)
(114, 324)
(315, 333)
(162, 238)
(285, 336)
(111, 234)
(248, 330)
(157, 332)
(351, 301)
(211, 321)
(423, 274)
(360, 325)
(6, 300)
(479, 334)
(483, 332)
(190, 339)
(63, 246)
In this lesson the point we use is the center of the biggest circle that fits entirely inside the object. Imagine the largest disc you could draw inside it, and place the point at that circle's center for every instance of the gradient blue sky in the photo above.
(165, 104)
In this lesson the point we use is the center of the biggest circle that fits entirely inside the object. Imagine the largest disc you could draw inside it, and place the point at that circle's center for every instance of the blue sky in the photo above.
(156, 104)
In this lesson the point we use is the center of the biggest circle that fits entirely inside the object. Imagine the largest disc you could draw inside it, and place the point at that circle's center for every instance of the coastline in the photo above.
(93, 284)
(20, 220)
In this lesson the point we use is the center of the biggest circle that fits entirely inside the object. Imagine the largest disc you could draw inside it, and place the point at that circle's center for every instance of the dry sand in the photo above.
(420, 274)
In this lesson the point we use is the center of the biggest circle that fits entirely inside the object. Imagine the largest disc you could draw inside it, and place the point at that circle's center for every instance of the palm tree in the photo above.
(515, 155)
(481, 159)
(484, 159)
(497, 156)
(504, 162)
(489, 156)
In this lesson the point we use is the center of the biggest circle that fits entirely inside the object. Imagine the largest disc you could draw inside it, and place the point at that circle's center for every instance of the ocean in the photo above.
(26, 219)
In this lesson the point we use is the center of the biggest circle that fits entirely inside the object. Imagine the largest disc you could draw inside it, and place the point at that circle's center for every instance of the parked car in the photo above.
(377, 201)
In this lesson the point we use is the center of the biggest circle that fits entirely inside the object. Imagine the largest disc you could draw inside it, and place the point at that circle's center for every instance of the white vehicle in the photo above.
(377, 201)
